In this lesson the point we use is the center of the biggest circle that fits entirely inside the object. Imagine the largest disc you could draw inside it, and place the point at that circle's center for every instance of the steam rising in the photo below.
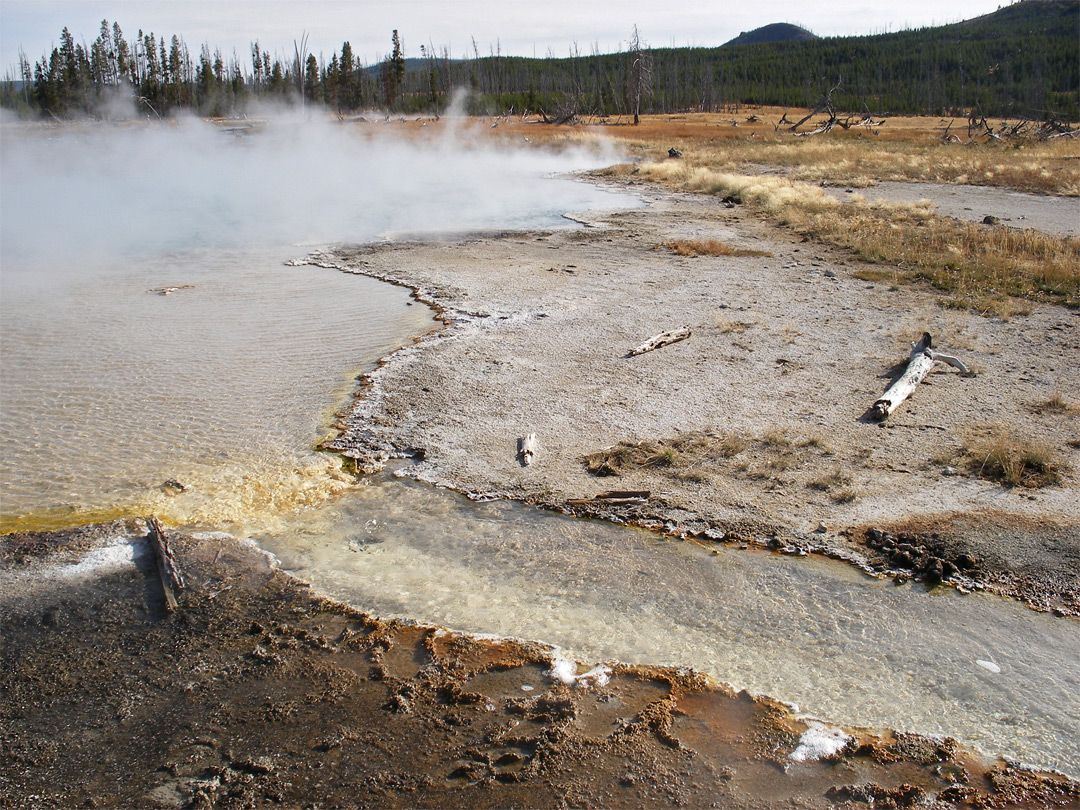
(107, 391)
(114, 191)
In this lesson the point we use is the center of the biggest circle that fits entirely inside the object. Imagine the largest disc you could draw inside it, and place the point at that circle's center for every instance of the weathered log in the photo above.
(527, 447)
(172, 580)
(663, 339)
(615, 497)
(920, 361)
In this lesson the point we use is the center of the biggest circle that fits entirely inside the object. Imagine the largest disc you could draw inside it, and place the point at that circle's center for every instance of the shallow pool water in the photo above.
(226, 384)
(842, 646)
(107, 389)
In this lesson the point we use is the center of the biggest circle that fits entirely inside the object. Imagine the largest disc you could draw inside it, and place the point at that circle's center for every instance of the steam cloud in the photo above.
(108, 192)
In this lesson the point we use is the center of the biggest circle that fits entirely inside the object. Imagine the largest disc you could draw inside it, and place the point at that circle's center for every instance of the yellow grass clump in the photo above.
(999, 454)
(711, 247)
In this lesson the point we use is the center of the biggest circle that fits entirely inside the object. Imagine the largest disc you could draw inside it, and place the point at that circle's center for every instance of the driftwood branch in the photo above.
(615, 497)
(920, 361)
(172, 580)
(527, 447)
(663, 339)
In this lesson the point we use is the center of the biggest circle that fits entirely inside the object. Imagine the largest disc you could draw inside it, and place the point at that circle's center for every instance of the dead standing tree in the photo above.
(298, 66)
(640, 73)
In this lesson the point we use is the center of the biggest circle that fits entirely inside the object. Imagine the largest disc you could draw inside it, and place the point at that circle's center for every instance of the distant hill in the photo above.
(777, 32)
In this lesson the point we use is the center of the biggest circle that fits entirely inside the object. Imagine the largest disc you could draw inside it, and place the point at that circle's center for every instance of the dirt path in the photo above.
(755, 428)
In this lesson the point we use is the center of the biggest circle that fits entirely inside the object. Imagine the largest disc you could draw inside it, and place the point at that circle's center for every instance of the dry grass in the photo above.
(698, 456)
(728, 326)
(983, 268)
(684, 451)
(1056, 404)
(904, 149)
(999, 454)
(711, 247)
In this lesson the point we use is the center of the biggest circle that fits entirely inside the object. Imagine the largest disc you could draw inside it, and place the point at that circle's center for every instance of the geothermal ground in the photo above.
(754, 430)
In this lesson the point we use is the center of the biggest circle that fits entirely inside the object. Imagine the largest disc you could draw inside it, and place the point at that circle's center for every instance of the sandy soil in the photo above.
(256, 692)
(787, 354)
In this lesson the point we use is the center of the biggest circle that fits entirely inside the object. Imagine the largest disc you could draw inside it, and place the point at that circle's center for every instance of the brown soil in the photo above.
(257, 692)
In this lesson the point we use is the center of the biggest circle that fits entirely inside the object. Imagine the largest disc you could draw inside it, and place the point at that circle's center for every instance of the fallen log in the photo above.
(920, 361)
(527, 447)
(663, 339)
(615, 497)
(172, 580)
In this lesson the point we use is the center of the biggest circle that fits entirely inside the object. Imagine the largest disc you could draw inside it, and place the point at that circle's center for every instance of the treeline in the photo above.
(1023, 60)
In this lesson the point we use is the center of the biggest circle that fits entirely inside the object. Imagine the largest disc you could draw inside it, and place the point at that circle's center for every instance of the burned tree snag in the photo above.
(920, 361)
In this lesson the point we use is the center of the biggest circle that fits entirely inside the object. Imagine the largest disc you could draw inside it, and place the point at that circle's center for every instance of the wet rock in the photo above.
(932, 572)
(255, 765)
(965, 561)
(875, 537)
(874, 794)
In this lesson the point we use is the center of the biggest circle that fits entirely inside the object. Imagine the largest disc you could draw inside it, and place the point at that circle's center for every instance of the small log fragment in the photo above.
(172, 580)
(527, 447)
(615, 497)
(663, 339)
(920, 361)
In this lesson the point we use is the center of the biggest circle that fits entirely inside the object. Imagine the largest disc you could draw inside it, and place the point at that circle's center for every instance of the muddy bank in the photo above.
(754, 430)
(257, 692)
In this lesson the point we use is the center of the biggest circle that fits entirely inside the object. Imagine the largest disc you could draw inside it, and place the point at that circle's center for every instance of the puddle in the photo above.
(842, 646)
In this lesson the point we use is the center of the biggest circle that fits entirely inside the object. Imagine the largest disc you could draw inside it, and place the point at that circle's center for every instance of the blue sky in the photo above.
(525, 29)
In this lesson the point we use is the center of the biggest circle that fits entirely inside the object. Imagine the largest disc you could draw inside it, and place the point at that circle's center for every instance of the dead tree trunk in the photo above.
(826, 104)
(920, 361)
(663, 339)
(169, 572)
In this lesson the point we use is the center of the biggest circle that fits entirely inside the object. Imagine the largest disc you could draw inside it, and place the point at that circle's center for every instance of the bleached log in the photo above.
(169, 572)
(920, 361)
(663, 339)
(615, 497)
(527, 447)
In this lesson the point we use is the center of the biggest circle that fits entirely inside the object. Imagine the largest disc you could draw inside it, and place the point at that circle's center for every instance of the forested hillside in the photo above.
(1021, 61)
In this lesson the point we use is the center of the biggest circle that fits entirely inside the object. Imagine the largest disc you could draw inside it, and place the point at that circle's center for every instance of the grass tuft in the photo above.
(1000, 455)
(711, 247)
(1055, 404)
